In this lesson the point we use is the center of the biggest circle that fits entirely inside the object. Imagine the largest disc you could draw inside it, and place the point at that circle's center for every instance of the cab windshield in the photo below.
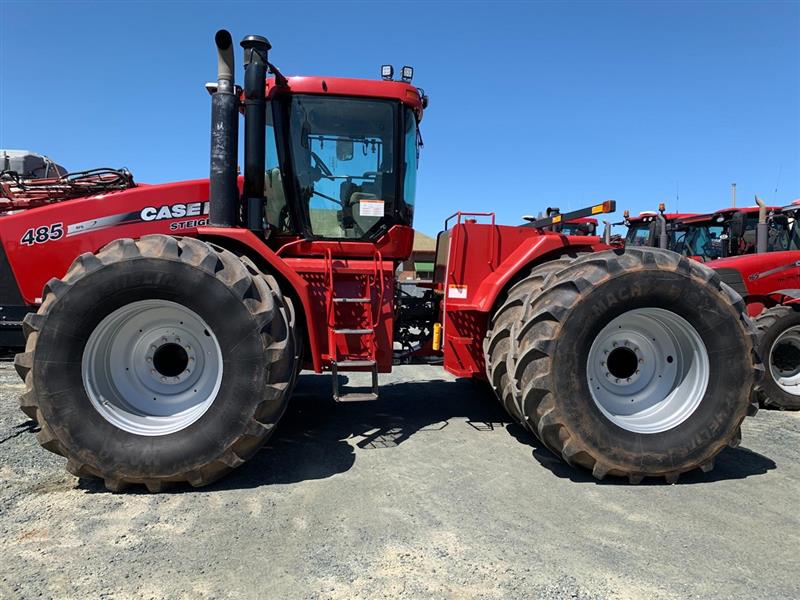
(703, 240)
(343, 153)
(638, 235)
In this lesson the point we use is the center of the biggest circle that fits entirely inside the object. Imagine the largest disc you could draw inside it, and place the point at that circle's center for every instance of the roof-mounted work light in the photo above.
(387, 72)
(407, 74)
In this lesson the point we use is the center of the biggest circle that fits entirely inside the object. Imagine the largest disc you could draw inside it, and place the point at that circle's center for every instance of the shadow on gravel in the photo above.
(731, 463)
(315, 437)
(27, 427)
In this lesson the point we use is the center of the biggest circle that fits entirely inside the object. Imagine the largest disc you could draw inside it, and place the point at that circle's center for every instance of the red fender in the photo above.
(244, 238)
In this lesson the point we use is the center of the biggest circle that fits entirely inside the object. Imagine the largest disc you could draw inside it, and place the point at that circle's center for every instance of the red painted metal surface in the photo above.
(770, 278)
(482, 260)
(395, 244)
(667, 216)
(88, 224)
(342, 86)
(373, 279)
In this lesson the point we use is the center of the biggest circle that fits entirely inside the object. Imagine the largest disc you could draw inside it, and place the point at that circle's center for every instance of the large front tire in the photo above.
(674, 364)
(158, 360)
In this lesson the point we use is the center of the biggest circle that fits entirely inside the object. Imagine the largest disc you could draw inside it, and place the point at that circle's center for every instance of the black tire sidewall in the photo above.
(77, 312)
(730, 378)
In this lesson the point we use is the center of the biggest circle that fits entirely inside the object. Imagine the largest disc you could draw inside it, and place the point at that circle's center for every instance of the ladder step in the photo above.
(349, 300)
(355, 363)
(357, 397)
(353, 331)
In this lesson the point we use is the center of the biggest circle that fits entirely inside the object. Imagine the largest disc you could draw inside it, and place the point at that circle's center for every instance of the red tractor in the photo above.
(756, 251)
(723, 233)
(645, 229)
(174, 319)
(769, 282)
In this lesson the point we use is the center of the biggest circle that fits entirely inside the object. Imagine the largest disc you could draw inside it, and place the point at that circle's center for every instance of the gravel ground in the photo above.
(428, 492)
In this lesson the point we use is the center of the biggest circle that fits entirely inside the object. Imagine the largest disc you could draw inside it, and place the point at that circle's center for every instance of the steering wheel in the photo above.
(321, 166)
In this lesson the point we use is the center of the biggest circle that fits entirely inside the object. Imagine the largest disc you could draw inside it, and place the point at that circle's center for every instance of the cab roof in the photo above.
(648, 216)
(341, 86)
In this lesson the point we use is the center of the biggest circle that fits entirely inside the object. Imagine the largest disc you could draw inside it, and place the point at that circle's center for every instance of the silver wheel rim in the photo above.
(152, 367)
(783, 361)
(648, 370)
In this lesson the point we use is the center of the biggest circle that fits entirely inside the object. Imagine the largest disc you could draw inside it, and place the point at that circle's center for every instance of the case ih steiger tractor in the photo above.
(174, 318)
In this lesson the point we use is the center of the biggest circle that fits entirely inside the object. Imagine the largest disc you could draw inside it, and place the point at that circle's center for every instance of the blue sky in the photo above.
(533, 104)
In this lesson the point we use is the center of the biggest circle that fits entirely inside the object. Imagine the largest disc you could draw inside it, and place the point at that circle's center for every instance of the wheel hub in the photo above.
(152, 367)
(647, 370)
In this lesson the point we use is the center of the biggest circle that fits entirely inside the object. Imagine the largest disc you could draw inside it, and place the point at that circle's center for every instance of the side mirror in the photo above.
(344, 149)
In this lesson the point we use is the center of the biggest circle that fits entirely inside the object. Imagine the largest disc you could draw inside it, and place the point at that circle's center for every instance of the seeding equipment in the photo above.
(174, 319)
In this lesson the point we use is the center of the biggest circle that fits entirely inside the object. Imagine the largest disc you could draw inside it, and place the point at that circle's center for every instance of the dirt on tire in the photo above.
(245, 310)
(550, 362)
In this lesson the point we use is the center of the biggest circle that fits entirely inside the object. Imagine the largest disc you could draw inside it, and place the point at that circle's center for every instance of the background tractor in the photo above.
(173, 319)
(756, 251)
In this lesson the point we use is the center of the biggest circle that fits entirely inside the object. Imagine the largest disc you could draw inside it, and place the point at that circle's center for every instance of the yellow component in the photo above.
(557, 219)
(437, 337)
(661, 207)
(598, 209)
(626, 213)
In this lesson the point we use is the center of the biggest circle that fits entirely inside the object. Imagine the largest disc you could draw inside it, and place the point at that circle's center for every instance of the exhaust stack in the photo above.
(762, 228)
(223, 188)
(256, 54)
(663, 239)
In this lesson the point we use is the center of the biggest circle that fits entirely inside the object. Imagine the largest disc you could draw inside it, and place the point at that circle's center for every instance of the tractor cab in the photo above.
(643, 230)
(341, 157)
(325, 158)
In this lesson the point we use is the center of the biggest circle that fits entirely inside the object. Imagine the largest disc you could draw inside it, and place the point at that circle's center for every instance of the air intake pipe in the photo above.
(256, 49)
(762, 228)
(223, 189)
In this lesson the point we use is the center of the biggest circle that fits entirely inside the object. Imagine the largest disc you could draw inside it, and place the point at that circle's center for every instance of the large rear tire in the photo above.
(498, 340)
(636, 363)
(156, 361)
(779, 348)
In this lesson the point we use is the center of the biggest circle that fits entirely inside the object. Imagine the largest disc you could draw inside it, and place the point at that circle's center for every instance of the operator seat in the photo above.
(355, 224)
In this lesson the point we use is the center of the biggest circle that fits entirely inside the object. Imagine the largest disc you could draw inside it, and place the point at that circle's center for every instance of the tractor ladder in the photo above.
(353, 321)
